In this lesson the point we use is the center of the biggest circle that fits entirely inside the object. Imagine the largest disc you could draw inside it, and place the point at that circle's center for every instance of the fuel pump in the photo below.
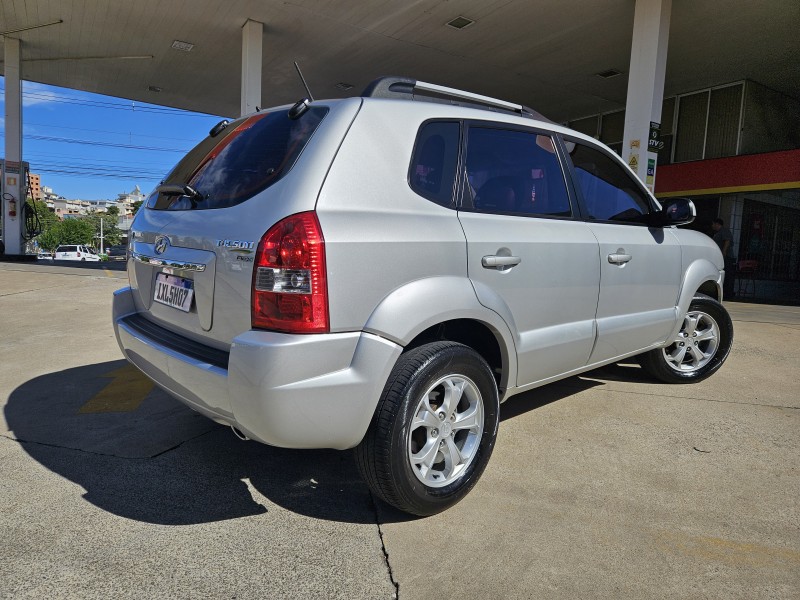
(18, 222)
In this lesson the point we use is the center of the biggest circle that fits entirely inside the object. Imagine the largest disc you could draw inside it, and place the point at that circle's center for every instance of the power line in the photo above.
(35, 156)
(157, 137)
(84, 175)
(152, 174)
(48, 138)
(144, 108)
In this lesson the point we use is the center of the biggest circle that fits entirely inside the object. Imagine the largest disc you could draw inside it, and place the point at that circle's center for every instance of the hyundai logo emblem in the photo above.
(161, 244)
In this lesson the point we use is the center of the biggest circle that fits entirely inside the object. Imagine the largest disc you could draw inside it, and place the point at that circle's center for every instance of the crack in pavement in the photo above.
(49, 287)
(156, 455)
(393, 581)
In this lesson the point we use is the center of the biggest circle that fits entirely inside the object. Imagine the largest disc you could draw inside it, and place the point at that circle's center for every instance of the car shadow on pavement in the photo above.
(628, 371)
(161, 462)
(542, 396)
(142, 455)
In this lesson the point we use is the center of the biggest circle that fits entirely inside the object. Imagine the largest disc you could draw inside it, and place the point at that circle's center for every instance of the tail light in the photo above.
(290, 290)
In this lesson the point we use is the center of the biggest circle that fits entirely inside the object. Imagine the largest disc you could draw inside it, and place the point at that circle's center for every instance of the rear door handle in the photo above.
(619, 258)
(499, 262)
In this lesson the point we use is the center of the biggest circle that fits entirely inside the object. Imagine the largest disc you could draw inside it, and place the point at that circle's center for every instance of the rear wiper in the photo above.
(178, 189)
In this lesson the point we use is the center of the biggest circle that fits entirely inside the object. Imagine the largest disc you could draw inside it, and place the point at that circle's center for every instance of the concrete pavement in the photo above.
(607, 484)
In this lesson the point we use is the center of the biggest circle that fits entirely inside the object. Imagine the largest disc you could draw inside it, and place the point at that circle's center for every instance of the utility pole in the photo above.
(101, 235)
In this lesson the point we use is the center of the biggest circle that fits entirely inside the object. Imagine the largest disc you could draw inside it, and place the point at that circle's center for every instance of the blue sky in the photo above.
(92, 147)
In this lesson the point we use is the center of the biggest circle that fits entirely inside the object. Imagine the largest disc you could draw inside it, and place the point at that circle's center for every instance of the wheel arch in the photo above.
(475, 334)
(446, 308)
(710, 288)
(701, 276)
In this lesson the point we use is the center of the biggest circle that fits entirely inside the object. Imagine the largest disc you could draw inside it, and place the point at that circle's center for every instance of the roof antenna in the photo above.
(300, 108)
(303, 79)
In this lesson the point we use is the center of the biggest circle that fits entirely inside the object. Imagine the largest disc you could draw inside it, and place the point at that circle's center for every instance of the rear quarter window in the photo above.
(245, 159)
(433, 165)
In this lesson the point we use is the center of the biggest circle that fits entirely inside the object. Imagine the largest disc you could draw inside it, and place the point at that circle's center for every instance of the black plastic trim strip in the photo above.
(176, 342)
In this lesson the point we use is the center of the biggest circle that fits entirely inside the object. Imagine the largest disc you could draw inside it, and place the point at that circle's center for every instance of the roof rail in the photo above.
(407, 88)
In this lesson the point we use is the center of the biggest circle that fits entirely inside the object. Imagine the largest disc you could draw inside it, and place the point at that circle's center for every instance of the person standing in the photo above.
(724, 239)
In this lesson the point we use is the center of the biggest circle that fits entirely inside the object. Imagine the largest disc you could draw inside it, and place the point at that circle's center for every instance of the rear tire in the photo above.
(433, 431)
(699, 349)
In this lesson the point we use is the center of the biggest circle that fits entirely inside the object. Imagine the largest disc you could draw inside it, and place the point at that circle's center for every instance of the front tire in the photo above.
(434, 429)
(699, 349)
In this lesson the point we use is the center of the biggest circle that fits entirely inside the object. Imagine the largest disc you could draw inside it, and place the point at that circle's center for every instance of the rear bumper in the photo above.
(293, 391)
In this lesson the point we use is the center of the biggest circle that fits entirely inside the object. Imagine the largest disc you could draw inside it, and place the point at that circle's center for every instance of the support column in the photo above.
(646, 88)
(252, 36)
(13, 197)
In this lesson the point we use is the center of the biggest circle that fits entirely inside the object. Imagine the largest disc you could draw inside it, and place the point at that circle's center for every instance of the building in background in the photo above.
(125, 201)
(735, 150)
(35, 184)
(67, 209)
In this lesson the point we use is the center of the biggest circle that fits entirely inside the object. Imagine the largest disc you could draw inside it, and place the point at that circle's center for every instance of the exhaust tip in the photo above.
(239, 434)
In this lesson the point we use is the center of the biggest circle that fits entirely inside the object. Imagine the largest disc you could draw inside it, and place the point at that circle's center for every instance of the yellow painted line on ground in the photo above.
(125, 392)
(731, 552)
(109, 273)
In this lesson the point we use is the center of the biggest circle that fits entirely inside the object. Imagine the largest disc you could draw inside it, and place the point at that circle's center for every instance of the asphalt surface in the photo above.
(602, 485)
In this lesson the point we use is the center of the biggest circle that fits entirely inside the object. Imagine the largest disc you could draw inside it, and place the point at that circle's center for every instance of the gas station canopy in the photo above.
(565, 59)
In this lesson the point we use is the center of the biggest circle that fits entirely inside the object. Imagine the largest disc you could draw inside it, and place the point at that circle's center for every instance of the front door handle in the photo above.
(619, 257)
(500, 262)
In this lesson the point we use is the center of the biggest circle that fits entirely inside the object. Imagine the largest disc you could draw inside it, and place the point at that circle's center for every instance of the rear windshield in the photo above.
(245, 158)
(67, 249)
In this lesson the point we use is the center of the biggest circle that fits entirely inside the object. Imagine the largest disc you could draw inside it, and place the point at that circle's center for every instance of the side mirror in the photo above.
(674, 211)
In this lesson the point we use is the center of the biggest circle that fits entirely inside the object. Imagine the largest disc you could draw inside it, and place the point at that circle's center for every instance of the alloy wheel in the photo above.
(446, 430)
(695, 345)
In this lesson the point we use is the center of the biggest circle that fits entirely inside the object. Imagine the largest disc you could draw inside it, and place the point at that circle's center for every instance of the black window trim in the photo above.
(562, 139)
(462, 173)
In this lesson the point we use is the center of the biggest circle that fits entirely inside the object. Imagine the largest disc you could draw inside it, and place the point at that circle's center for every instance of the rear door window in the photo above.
(246, 158)
(514, 172)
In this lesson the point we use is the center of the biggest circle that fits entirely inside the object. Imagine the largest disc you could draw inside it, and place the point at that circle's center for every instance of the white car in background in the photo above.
(75, 252)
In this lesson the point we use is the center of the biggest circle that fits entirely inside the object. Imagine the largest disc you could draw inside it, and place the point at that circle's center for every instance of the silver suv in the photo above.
(381, 272)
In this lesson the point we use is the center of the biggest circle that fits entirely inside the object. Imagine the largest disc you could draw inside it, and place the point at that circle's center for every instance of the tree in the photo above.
(68, 231)
(111, 233)
(136, 205)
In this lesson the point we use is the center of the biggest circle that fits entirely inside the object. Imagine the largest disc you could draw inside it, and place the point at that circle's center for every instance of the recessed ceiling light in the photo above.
(460, 23)
(183, 46)
(153, 88)
(609, 73)
(344, 86)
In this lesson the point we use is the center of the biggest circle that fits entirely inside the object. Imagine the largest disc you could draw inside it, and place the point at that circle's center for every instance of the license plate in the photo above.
(173, 291)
